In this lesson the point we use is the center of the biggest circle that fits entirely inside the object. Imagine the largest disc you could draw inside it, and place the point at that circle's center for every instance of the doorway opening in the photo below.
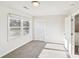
(77, 34)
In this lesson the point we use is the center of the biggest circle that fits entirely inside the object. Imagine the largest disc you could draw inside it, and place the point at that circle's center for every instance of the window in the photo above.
(17, 26)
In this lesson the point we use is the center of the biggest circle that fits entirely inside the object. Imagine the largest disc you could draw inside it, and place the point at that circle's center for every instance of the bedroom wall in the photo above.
(8, 46)
(49, 28)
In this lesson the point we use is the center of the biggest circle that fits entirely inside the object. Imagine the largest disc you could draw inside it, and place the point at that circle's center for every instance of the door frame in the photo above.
(73, 39)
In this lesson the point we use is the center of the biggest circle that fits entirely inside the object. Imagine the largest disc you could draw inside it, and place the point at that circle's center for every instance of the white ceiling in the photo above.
(46, 7)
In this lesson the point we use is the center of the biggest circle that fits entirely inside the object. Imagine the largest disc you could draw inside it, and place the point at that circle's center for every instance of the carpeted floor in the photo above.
(29, 50)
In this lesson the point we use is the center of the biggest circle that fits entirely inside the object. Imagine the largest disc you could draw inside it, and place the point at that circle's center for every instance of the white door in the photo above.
(73, 36)
(68, 34)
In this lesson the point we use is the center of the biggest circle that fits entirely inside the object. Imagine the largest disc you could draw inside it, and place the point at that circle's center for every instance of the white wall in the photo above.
(8, 46)
(49, 28)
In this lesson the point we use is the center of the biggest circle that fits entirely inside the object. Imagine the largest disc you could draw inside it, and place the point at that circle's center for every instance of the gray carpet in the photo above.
(29, 50)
